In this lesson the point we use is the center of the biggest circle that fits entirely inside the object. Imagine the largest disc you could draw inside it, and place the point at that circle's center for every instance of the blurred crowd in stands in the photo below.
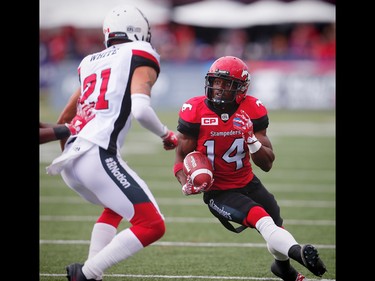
(180, 43)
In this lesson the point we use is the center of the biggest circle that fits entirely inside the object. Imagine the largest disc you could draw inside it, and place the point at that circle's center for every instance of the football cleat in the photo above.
(290, 275)
(74, 273)
(311, 260)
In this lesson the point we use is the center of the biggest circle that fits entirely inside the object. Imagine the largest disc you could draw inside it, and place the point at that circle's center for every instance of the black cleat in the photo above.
(311, 260)
(74, 273)
(290, 275)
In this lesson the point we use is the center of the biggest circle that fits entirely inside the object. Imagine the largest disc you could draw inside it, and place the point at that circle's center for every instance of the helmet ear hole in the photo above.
(148, 38)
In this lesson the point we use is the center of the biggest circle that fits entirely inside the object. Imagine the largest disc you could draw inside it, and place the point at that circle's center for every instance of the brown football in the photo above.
(198, 167)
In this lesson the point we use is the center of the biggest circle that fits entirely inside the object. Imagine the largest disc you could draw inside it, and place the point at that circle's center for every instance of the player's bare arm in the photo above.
(47, 132)
(45, 125)
(70, 108)
(51, 132)
(264, 157)
(186, 144)
(144, 78)
(69, 112)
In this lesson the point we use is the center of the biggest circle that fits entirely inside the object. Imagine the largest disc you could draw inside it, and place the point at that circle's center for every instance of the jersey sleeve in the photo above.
(189, 117)
(143, 58)
(257, 112)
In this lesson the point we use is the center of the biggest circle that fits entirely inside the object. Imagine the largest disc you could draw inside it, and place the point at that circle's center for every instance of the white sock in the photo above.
(122, 246)
(101, 235)
(276, 254)
(277, 238)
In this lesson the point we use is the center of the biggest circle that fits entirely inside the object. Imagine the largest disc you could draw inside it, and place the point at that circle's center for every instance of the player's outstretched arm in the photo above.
(69, 112)
(143, 79)
(51, 132)
(186, 144)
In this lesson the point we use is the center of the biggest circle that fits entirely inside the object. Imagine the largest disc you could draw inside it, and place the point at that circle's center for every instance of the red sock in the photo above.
(255, 214)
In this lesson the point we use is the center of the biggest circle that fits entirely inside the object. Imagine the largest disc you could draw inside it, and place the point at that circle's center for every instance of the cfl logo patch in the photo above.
(209, 121)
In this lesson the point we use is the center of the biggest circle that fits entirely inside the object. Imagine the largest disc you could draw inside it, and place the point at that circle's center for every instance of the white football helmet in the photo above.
(126, 22)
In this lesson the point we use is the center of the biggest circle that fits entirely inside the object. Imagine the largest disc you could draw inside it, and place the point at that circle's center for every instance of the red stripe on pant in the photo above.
(147, 223)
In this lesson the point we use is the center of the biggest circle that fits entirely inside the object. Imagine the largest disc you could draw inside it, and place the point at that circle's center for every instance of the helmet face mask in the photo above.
(125, 22)
(221, 90)
(227, 81)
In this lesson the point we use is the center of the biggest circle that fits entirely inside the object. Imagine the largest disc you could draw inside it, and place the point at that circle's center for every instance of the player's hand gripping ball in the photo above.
(199, 170)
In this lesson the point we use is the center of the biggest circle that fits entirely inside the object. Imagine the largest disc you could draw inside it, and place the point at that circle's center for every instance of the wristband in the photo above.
(251, 140)
(61, 132)
(177, 167)
(254, 147)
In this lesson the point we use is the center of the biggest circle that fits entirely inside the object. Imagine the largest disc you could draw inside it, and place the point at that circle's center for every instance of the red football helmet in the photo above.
(237, 80)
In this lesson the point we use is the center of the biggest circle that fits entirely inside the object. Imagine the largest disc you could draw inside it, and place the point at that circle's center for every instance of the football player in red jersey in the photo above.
(230, 127)
(118, 82)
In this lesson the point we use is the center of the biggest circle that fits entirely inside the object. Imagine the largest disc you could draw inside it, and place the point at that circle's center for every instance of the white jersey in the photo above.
(105, 81)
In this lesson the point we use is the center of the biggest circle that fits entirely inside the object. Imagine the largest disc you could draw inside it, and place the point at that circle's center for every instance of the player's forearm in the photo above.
(47, 134)
(70, 109)
(146, 116)
(263, 158)
(180, 176)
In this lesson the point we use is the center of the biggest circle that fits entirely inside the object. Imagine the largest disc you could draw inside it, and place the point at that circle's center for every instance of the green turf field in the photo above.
(196, 246)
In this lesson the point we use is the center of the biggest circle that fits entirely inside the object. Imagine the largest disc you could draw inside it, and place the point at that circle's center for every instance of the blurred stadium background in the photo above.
(290, 47)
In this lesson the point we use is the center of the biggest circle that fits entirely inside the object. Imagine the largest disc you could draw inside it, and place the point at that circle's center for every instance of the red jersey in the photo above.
(216, 137)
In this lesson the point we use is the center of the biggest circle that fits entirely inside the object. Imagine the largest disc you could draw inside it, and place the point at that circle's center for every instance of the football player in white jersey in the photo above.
(117, 82)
